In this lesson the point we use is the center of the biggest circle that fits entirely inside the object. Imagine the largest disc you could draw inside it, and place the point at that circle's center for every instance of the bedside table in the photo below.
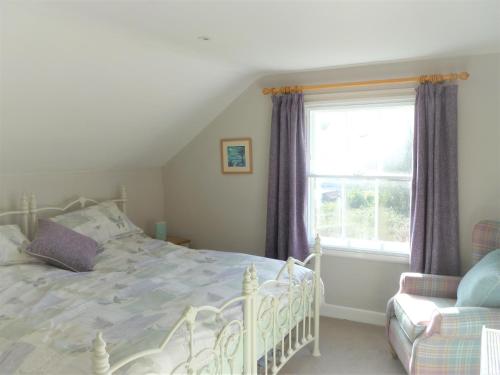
(179, 241)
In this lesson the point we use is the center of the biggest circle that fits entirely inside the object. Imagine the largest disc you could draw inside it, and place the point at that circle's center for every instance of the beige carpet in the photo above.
(346, 348)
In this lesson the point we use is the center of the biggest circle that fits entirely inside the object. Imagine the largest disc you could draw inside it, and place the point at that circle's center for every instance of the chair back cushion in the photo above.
(480, 287)
(485, 237)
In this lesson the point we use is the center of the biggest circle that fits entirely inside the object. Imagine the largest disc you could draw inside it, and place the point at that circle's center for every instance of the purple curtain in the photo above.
(434, 203)
(286, 228)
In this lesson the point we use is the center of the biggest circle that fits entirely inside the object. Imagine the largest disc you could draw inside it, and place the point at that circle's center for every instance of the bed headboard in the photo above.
(80, 202)
(23, 212)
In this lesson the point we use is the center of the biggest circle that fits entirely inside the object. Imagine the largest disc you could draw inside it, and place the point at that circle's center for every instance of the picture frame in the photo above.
(236, 155)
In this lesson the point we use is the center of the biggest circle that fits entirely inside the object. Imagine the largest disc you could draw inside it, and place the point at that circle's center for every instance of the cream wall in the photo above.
(229, 212)
(82, 92)
(144, 189)
(223, 212)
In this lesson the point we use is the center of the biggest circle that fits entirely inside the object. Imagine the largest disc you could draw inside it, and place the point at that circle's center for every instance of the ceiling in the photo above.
(265, 35)
(120, 84)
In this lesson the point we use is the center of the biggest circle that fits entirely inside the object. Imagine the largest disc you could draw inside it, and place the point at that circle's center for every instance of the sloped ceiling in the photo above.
(121, 84)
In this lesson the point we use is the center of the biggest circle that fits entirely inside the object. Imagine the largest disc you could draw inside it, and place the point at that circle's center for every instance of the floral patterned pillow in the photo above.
(101, 222)
(13, 244)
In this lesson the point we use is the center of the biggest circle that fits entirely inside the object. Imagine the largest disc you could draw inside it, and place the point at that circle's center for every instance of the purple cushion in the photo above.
(62, 247)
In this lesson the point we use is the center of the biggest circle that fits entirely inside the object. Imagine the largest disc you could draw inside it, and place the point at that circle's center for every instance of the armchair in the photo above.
(425, 329)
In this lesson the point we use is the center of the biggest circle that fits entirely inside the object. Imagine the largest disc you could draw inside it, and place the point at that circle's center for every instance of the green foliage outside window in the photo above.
(393, 220)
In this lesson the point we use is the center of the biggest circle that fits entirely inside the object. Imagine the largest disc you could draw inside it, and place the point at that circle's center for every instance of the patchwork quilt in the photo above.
(137, 292)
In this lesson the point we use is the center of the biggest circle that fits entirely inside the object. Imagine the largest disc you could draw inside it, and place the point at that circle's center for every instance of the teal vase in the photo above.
(161, 231)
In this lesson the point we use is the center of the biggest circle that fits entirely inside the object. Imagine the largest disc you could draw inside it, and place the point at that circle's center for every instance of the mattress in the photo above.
(137, 292)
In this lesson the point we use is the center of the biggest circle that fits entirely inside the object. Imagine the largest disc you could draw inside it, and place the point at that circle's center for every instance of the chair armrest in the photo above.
(463, 321)
(429, 285)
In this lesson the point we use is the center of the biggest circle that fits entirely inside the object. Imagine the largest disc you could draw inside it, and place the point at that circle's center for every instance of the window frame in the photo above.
(350, 99)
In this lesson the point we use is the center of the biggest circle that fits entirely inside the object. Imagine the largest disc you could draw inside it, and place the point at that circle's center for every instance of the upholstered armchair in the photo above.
(427, 332)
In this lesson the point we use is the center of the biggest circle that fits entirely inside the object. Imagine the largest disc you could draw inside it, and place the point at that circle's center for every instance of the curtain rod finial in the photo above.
(463, 76)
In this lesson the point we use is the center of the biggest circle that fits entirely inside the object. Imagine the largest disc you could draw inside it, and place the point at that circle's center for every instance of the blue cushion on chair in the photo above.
(481, 285)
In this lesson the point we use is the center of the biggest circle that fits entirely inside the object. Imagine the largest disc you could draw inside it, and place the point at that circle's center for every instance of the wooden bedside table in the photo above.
(179, 241)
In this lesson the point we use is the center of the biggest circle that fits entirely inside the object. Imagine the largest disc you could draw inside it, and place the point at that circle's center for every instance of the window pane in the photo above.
(364, 140)
(360, 209)
(328, 210)
(357, 148)
(361, 140)
(396, 153)
(394, 211)
(328, 146)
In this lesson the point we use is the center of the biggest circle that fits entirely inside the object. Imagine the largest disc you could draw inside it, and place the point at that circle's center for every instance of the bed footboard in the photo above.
(280, 316)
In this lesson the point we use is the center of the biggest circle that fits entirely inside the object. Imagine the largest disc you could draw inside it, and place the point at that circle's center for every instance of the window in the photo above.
(360, 168)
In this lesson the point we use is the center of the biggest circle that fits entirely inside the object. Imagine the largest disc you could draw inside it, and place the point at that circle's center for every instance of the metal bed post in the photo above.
(100, 357)
(123, 198)
(250, 285)
(33, 217)
(25, 215)
(317, 293)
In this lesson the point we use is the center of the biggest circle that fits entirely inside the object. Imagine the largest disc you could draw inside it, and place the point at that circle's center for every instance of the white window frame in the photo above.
(349, 99)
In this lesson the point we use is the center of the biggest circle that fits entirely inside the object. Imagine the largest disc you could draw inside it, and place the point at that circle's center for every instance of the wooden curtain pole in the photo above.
(434, 78)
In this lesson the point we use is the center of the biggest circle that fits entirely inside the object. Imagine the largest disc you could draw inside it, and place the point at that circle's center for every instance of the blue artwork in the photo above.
(236, 156)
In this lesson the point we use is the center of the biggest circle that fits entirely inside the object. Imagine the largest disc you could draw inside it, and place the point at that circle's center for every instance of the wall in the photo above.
(144, 189)
(229, 212)
(224, 212)
(72, 80)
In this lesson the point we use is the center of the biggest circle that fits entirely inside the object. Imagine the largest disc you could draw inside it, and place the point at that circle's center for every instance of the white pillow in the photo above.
(13, 244)
(101, 222)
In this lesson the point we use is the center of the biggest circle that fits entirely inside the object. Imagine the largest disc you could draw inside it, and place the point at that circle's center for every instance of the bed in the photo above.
(153, 307)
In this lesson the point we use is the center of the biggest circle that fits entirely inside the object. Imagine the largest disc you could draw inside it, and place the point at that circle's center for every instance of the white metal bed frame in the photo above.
(272, 330)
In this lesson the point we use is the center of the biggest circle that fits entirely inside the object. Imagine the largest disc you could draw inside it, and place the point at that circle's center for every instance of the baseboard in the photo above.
(350, 313)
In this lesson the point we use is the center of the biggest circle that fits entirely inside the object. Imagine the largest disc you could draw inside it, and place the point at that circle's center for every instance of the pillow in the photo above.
(481, 285)
(62, 247)
(101, 222)
(12, 246)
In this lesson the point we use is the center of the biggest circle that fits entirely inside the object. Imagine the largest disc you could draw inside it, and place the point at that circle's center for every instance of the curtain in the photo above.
(286, 228)
(434, 203)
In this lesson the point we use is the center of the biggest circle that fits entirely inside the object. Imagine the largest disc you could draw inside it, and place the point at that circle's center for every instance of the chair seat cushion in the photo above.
(415, 312)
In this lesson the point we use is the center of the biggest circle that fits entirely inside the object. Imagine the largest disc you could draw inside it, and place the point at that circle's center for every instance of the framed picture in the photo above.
(236, 155)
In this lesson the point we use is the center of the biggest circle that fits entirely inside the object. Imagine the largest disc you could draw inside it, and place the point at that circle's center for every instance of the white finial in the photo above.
(247, 282)
(30, 219)
(190, 314)
(82, 201)
(123, 192)
(123, 198)
(317, 244)
(32, 201)
(100, 360)
(24, 203)
(255, 278)
(25, 208)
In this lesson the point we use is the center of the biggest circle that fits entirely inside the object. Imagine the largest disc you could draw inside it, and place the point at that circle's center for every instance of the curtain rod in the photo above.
(434, 78)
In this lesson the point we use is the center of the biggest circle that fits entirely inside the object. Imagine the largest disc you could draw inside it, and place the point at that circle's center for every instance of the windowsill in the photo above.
(388, 257)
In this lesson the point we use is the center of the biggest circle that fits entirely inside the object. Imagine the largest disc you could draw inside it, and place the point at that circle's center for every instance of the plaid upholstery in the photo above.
(485, 237)
(451, 343)
(429, 285)
(463, 321)
(414, 313)
(438, 355)
(402, 346)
